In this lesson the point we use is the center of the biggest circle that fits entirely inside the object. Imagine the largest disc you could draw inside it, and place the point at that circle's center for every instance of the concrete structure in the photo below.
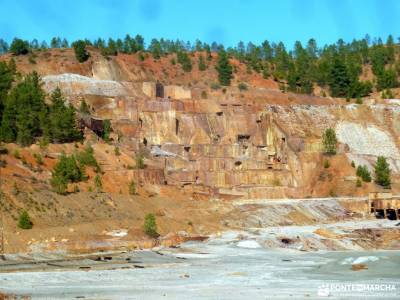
(384, 205)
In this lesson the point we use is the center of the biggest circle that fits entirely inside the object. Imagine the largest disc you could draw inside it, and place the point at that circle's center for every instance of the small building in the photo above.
(384, 205)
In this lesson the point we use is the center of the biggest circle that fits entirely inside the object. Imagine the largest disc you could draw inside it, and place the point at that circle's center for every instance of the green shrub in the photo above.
(326, 164)
(106, 130)
(358, 182)
(31, 59)
(132, 188)
(359, 100)
(16, 154)
(362, 171)
(24, 221)
(150, 225)
(97, 182)
(39, 159)
(141, 56)
(353, 164)
(84, 108)
(242, 86)
(86, 158)
(215, 86)
(116, 151)
(140, 162)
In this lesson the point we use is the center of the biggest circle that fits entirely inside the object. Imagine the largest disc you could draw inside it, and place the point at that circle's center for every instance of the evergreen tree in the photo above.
(208, 51)
(201, 64)
(55, 42)
(139, 41)
(329, 141)
(19, 47)
(6, 79)
(64, 43)
(184, 60)
(362, 171)
(382, 172)
(3, 47)
(387, 79)
(111, 48)
(155, 49)
(62, 120)
(23, 110)
(80, 51)
(224, 68)
(150, 225)
(339, 80)
(65, 171)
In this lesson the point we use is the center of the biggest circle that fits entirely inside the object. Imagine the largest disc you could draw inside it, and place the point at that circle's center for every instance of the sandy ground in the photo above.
(225, 267)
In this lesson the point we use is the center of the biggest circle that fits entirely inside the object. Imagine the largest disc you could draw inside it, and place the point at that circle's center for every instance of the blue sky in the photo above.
(225, 21)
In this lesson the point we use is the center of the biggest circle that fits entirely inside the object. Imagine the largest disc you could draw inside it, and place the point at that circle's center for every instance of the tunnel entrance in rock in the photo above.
(176, 126)
(391, 214)
(286, 241)
(141, 122)
(238, 163)
(187, 148)
(243, 137)
(145, 141)
(220, 113)
(380, 213)
(159, 90)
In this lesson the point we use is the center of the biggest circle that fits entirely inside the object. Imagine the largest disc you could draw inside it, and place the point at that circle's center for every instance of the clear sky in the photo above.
(225, 21)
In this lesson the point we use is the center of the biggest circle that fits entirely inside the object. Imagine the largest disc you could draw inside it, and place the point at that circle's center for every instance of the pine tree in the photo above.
(155, 49)
(224, 68)
(202, 65)
(382, 172)
(329, 141)
(19, 47)
(362, 171)
(66, 170)
(184, 60)
(62, 120)
(23, 110)
(6, 79)
(80, 51)
(339, 79)
(150, 225)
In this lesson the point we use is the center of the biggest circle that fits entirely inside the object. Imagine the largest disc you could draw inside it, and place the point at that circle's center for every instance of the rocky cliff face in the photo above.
(257, 143)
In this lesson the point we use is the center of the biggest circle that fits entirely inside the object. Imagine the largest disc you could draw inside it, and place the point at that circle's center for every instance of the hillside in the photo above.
(202, 145)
